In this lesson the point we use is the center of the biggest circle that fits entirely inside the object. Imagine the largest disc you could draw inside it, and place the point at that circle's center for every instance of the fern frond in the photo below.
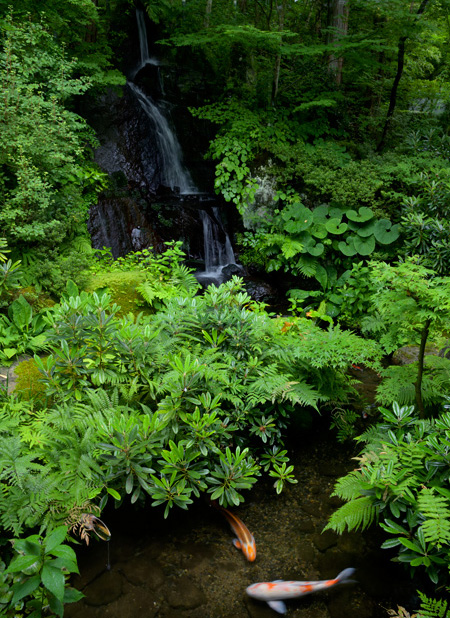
(306, 265)
(358, 513)
(350, 486)
(432, 608)
(436, 510)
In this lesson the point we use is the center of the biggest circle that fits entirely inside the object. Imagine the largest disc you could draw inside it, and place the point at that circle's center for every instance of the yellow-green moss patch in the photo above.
(121, 286)
(29, 385)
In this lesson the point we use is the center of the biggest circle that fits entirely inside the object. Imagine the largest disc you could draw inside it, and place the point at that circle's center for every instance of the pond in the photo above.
(187, 566)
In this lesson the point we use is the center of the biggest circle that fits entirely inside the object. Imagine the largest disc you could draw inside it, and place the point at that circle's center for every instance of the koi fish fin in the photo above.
(278, 606)
(237, 544)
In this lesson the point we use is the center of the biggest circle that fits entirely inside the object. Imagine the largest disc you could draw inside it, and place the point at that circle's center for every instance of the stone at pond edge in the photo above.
(325, 540)
(106, 589)
(134, 604)
(143, 571)
(410, 354)
(184, 594)
(232, 269)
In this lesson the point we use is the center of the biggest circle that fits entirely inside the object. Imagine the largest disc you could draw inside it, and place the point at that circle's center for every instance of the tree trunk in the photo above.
(418, 383)
(339, 21)
(400, 65)
(281, 9)
(208, 12)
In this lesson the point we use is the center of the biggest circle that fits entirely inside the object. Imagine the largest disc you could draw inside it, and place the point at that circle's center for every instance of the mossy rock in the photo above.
(410, 354)
(28, 384)
(122, 287)
(38, 300)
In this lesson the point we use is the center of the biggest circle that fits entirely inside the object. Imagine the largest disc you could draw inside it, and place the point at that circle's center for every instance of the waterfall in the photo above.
(218, 252)
(173, 174)
(143, 47)
(217, 247)
(142, 30)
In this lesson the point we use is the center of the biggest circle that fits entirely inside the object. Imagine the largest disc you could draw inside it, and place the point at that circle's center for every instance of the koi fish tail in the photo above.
(344, 575)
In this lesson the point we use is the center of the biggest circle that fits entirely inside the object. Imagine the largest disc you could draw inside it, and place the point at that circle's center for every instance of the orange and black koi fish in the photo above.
(244, 540)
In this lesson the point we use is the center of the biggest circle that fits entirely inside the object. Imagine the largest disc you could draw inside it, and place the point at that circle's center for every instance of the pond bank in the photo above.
(187, 567)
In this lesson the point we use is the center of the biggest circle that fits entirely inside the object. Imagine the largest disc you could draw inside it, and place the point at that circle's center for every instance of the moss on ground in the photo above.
(29, 385)
(122, 287)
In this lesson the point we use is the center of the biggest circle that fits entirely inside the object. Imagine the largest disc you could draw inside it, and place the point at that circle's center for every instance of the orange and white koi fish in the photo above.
(274, 592)
(244, 540)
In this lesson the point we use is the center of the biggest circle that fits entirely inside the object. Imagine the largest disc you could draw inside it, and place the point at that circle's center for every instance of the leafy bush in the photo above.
(20, 331)
(37, 576)
(402, 483)
(410, 305)
(156, 277)
(200, 396)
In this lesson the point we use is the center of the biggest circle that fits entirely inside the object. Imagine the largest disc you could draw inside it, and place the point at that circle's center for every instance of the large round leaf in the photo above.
(363, 214)
(334, 226)
(318, 231)
(320, 213)
(315, 250)
(364, 246)
(347, 248)
(297, 217)
(336, 212)
(385, 232)
(366, 230)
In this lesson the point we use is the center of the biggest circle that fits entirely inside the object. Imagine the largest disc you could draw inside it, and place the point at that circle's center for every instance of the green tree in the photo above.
(411, 304)
(45, 170)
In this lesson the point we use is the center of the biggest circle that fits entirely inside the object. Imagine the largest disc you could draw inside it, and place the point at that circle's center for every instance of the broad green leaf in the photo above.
(334, 226)
(53, 580)
(347, 248)
(113, 493)
(363, 214)
(71, 595)
(25, 588)
(55, 538)
(385, 232)
(19, 563)
(364, 246)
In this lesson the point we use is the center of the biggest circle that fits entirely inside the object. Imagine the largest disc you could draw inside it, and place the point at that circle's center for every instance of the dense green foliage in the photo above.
(40, 568)
(402, 482)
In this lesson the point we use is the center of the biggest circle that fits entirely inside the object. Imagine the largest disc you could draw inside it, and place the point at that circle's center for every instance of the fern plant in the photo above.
(402, 483)
(433, 608)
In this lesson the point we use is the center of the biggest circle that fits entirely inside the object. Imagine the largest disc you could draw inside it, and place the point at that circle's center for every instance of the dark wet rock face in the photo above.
(112, 222)
(261, 291)
(232, 269)
(127, 142)
(135, 197)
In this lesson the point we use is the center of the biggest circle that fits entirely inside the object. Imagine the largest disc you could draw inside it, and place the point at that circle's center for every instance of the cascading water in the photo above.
(143, 42)
(217, 245)
(154, 195)
(173, 173)
(217, 252)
